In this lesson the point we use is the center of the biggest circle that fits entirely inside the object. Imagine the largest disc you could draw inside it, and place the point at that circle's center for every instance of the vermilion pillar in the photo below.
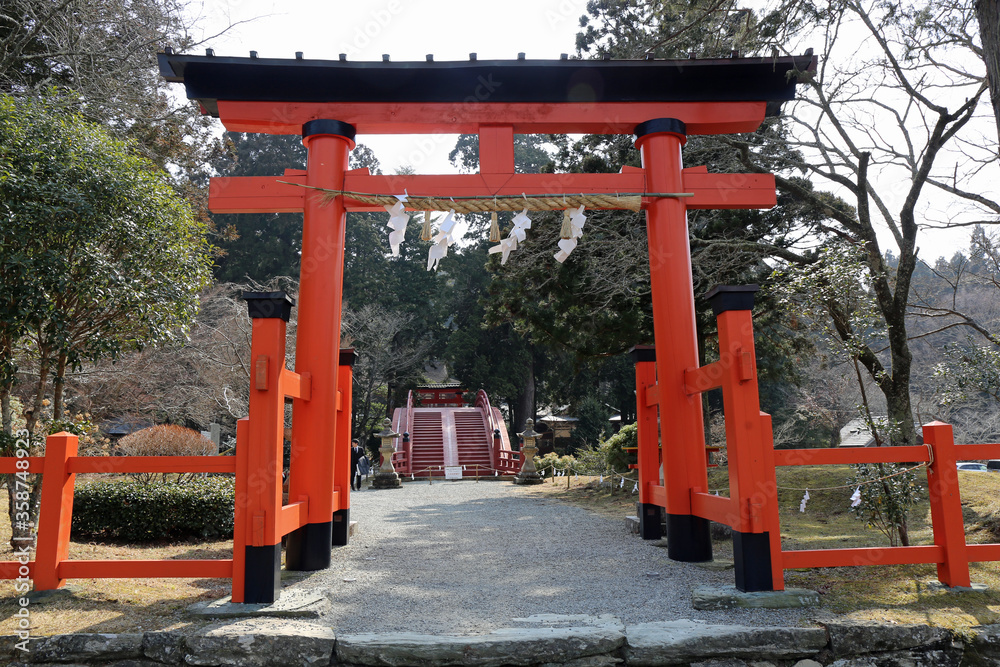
(311, 474)
(751, 485)
(342, 471)
(684, 468)
(259, 511)
(648, 437)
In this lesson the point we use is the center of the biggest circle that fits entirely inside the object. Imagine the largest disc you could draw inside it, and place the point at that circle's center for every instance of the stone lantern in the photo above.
(386, 477)
(528, 474)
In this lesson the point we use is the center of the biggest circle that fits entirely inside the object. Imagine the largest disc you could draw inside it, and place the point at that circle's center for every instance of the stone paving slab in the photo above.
(729, 597)
(509, 646)
(684, 641)
(561, 641)
(293, 603)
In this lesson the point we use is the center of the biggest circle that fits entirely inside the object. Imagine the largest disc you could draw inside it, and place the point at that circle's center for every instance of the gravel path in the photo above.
(467, 558)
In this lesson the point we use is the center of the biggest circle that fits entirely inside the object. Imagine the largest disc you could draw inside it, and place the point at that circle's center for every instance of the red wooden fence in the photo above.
(752, 508)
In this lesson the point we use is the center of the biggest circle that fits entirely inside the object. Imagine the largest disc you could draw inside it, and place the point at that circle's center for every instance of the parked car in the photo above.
(974, 467)
(993, 466)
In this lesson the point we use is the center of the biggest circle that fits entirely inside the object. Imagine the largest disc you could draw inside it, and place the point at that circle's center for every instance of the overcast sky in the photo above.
(409, 30)
(404, 29)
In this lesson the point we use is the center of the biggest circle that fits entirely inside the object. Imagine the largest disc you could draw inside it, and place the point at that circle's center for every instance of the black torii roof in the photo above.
(209, 79)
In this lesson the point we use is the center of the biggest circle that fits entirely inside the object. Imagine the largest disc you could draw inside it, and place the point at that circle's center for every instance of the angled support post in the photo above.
(241, 521)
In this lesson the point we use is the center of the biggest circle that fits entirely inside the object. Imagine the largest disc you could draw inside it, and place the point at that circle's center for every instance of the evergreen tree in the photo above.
(259, 246)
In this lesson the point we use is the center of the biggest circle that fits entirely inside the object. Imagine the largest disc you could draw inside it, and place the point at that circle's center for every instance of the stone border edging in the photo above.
(605, 641)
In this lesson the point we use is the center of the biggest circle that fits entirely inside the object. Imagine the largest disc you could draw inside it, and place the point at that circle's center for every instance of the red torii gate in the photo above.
(660, 101)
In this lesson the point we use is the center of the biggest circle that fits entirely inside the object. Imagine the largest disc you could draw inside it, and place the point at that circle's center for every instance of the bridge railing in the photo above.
(502, 457)
(401, 458)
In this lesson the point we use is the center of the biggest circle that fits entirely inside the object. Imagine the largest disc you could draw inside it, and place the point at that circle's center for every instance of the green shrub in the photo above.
(887, 493)
(129, 510)
(614, 447)
(565, 462)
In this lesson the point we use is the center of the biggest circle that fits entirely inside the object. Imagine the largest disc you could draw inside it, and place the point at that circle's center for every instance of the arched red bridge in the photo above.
(443, 436)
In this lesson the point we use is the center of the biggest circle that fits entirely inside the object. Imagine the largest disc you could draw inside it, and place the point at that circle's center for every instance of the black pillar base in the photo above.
(650, 521)
(341, 527)
(308, 548)
(752, 553)
(262, 574)
(688, 538)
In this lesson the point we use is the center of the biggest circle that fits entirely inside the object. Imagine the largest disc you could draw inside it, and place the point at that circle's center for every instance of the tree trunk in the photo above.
(896, 387)
(6, 418)
(904, 533)
(524, 408)
(58, 387)
(900, 413)
(23, 533)
(988, 13)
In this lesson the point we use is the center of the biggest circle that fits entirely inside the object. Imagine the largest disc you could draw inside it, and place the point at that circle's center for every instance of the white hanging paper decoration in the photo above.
(601, 480)
(443, 239)
(577, 220)
(518, 234)
(635, 488)
(856, 497)
(622, 484)
(805, 499)
(496, 473)
(412, 477)
(398, 219)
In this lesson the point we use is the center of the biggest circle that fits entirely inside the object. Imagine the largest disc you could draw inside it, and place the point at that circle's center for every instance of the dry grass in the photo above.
(898, 593)
(116, 605)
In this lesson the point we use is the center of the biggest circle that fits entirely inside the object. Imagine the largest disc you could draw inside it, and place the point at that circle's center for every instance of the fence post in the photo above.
(269, 313)
(749, 483)
(946, 505)
(56, 512)
(343, 473)
(648, 440)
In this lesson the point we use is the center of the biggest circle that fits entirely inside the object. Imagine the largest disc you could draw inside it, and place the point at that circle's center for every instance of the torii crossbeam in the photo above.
(328, 103)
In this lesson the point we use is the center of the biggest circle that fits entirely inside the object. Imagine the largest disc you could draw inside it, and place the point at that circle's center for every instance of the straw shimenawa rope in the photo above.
(631, 201)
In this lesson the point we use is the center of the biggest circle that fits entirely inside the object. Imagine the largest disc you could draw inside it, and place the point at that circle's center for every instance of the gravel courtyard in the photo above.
(467, 558)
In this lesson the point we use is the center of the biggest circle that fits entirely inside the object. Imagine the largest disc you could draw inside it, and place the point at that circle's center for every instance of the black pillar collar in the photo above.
(269, 304)
(328, 126)
(657, 125)
(643, 353)
(731, 297)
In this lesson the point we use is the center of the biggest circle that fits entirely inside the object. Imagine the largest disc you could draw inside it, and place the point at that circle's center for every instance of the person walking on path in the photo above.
(356, 454)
